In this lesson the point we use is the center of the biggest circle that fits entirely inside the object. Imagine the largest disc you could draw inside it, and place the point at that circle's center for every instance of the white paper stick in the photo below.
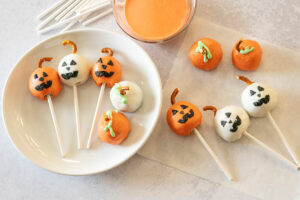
(64, 12)
(97, 17)
(90, 6)
(57, 131)
(283, 139)
(213, 155)
(247, 134)
(99, 102)
(49, 28)
(49, 10)
(72, 11)
(53, 15)
(77, 119)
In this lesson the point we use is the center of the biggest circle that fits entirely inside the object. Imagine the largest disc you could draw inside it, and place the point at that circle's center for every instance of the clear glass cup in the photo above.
(119, 13)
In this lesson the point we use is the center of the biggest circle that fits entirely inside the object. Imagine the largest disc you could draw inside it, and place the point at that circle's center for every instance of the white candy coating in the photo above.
(69, 65)
(258, 99)
(231, 122)
(134, 96)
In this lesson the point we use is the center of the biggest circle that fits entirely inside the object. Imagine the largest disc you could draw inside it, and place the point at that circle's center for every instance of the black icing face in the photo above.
(261, 99)
(70, 70)
(185, 116)
(228, 120)
(104, 66)
(43, 84)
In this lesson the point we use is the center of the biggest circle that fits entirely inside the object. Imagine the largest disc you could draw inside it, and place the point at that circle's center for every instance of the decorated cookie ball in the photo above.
(206, 54)
(74, 69)
(107, 69)
(113, 127)
(258, 99)
(44, 81)
(246, 55)
(230, 122)
(183, 116)
(126, 96)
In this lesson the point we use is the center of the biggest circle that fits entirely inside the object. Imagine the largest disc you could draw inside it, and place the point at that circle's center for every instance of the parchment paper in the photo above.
(257, 172)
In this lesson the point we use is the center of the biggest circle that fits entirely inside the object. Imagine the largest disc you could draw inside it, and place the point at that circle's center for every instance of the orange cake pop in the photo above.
(246, 55)
(113, 127)
(206, 54)
(183, 116)
(44, 81)
(107, 70)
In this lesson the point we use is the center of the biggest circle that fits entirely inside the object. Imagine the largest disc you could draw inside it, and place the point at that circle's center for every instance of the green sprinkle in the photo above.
(124, 98)
(109, 125)
(207, 54)
(246, 50)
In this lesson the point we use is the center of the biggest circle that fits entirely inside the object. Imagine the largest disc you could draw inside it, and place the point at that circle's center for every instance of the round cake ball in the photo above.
(126, 96)
(113, 127)
(258, 99)
(231, 122)
(74, 69)
(246, 55)
(206, 54)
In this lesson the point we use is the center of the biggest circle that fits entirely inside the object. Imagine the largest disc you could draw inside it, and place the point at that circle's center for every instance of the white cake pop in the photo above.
(258, 99)
(73, 69)
(230, 122)
(126, 96)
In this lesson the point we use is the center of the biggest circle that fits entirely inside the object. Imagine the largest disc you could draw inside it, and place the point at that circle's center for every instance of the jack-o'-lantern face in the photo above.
(107, 69)
(258, 99)
(44, 81)
(183, 116)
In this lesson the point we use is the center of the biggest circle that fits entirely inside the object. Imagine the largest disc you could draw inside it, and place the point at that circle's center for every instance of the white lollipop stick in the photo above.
(76, 17)
(100, 97)
(49, 10)
(106, 2)
(63, 13)
(97, 17)
(53, 15)
(72, 11)
(283, 139)
(270, 149)
(213, 155)
(58, 134)
(76, 105)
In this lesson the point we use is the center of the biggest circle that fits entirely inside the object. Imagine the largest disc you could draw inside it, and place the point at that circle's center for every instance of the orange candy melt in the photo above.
(249, 61)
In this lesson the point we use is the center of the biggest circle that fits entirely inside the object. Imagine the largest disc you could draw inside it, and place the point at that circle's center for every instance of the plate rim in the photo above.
(99, 30)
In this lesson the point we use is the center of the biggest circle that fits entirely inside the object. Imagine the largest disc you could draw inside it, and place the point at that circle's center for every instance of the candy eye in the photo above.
(73, 62)
(223, 123)
(183, 106)
(260, 88)
(110, 63)
(174, 112)
(45, 74)
(64, 64)
(228, 114)
(35, 76)
(252, 92)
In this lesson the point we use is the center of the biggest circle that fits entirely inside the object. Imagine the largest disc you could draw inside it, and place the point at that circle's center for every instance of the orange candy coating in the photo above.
(106, 65)
(44, 81)
(120, 126)
(246, 62)
(177, 122)
(197, 58)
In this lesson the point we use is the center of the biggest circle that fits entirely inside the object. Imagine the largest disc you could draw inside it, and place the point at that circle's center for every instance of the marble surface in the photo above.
(140, 178)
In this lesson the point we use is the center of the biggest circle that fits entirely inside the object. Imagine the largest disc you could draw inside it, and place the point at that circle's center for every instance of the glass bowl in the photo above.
(119, 13)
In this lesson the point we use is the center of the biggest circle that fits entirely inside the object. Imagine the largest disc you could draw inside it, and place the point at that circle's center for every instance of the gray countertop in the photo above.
(139, 178)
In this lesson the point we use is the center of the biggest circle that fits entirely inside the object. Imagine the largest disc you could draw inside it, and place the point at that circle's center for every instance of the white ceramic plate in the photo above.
(28, 120)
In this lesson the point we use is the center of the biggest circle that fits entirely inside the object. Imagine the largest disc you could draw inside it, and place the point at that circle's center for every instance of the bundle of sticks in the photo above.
(65, 14)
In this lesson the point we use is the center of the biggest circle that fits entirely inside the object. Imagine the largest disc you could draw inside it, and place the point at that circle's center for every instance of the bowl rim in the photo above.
(99, 30)
(156, 41)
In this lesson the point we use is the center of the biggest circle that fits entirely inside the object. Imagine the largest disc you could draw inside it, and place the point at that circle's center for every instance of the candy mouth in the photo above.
(186, 117)
(69, 75)
(104, 73)
(235, 124)
(43, 85)
(262, 101)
